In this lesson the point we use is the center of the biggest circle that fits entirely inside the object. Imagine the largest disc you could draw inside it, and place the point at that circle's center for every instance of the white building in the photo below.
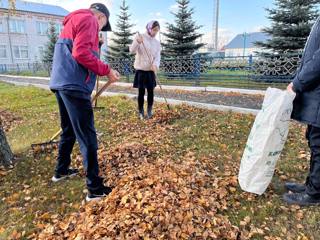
(244, 44)
(23, 33)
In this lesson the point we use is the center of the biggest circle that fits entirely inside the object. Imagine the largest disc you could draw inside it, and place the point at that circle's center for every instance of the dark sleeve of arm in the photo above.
(308, 76)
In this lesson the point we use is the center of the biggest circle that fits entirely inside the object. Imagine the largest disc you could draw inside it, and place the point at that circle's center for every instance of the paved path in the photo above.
(222, 99)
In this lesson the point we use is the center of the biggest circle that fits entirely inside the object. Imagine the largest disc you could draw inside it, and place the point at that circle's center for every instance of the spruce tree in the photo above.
(119, 48)
(291, 24)
(181, 36)
(47, 57)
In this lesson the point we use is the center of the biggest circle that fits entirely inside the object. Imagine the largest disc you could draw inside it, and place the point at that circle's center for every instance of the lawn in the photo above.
(174, 176)
(213, 78)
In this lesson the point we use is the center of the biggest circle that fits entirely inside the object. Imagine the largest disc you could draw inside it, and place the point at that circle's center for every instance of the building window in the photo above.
(17, 26)
(41, 51)
(58, 28)
(1, 26)
(20, 52)
(3, 51)
(42, 28)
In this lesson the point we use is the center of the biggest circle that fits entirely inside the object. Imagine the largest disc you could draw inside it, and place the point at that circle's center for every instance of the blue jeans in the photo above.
(77, 123)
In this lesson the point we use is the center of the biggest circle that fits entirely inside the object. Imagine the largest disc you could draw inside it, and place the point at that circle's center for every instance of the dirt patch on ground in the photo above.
(219, 98)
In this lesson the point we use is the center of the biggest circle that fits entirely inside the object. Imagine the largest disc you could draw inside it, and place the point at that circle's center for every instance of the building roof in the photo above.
(248, 39)
(36, 8)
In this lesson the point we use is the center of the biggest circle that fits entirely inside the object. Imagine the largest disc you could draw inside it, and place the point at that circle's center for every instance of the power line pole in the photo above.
(215, 25)
(245, 34)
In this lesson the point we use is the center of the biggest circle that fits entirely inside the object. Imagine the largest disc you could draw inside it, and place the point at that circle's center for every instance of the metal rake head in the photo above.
(46, 147)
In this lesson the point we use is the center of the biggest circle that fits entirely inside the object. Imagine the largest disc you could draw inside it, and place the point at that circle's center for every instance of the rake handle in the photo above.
(98, 93)
(98, 78)
(104, 87)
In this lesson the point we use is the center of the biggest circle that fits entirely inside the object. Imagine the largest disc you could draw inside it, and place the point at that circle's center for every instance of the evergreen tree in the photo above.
(181, 36)
(291, 24)
(122, 36)
(47, 57)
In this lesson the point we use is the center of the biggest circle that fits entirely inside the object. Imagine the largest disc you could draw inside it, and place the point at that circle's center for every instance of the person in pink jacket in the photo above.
(147, 61)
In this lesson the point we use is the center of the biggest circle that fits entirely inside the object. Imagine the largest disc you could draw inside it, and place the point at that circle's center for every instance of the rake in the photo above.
(156, 76)
(52, 144)
(95, 105)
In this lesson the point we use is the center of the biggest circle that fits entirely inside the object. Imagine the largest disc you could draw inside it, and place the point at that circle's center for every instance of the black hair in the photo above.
(155, 24)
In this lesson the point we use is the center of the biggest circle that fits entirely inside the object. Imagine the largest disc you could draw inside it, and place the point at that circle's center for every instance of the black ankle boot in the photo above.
(150, 111)
(141, 114)
(295, 187)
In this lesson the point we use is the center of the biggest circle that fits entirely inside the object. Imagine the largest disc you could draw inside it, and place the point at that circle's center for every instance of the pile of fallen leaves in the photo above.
(154, 196)
(159, 200)
(119, 159)
(8, 120)
(165, 116)
(144, 140)
(157, 196)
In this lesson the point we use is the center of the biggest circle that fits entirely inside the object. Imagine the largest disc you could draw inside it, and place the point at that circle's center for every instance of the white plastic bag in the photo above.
(266, 140)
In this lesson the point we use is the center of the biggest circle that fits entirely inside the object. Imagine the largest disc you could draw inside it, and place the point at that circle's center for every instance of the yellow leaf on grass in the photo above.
(45, 216)
(139, 195)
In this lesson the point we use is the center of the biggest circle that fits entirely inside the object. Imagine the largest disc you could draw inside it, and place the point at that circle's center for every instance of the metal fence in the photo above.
(35, 68)
(257, 72)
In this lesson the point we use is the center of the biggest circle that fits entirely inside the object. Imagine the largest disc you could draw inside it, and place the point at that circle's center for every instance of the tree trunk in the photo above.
(6, 155)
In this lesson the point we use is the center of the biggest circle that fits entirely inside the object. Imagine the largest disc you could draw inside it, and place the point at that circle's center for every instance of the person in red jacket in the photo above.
(75, 66)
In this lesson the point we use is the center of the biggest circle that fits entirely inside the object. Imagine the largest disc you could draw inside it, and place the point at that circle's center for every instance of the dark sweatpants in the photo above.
(77, 123)
(313, 179)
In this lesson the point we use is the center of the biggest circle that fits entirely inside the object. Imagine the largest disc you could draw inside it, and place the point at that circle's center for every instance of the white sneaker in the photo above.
(71, 173)
(98, 194)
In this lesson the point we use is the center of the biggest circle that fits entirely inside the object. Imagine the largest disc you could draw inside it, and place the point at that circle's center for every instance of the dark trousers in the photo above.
(313, 179)
(77, 123)
(149, 98)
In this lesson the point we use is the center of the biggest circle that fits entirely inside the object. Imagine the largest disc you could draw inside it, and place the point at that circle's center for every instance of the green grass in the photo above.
(28, 199)
(225, 79)
(212, 78)
(29, 73)
(228, 72)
